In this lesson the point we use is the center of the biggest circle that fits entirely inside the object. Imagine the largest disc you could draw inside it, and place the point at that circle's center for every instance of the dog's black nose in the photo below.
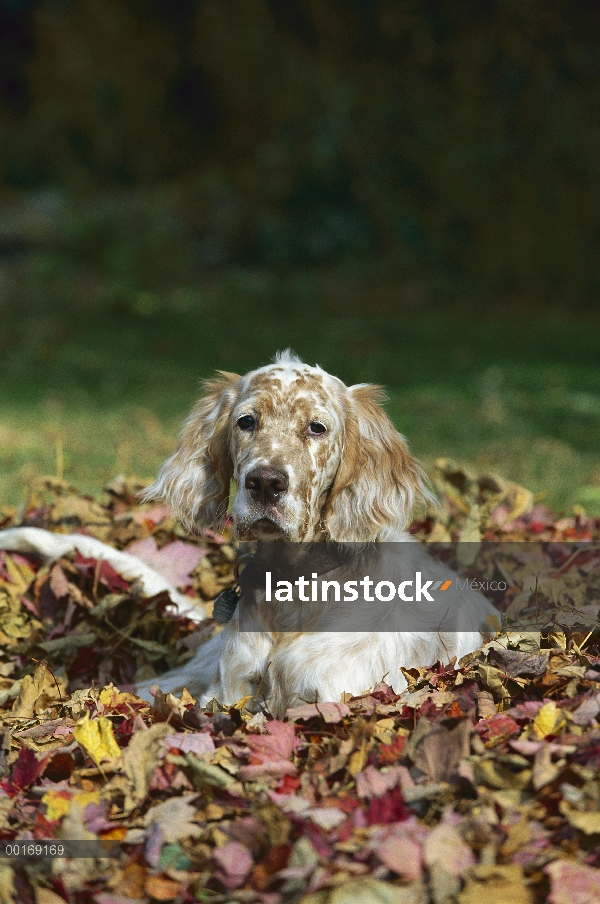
(266, 485)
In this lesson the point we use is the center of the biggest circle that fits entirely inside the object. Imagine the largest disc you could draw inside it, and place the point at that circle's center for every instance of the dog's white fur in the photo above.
(354, 482)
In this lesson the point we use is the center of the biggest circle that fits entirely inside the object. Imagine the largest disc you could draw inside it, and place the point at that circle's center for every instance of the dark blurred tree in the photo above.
(456, 140)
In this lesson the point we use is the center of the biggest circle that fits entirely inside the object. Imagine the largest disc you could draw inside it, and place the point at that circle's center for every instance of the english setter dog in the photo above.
(312, 460)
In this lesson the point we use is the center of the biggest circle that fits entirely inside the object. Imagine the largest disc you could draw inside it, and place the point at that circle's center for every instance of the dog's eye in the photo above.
(316, 428)
(246, 422)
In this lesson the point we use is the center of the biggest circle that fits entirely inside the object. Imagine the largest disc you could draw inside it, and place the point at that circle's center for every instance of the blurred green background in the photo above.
(404, 192)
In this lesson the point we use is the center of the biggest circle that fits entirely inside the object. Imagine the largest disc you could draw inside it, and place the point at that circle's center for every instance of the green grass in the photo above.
(514, 392)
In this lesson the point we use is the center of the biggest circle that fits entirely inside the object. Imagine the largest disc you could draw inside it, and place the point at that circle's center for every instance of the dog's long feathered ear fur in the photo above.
(378, 481)
(195, 480)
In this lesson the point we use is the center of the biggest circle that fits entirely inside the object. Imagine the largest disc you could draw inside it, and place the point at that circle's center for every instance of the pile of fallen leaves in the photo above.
(90, 624)
(476, 784)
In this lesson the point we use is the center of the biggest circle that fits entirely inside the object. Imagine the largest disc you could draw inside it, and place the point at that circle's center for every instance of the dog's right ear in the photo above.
(195, 480)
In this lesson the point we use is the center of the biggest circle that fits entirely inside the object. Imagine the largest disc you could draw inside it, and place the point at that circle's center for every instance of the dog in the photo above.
(312, 460)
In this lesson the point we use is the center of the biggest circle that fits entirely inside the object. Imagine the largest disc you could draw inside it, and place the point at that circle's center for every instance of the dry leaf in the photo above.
(32, 688)
(160, 888)
(330, 712)
(587, 821)
(549, 720)
(544, 770)
(140, 759)
(174, 816)
(97, 738)
(496, 885)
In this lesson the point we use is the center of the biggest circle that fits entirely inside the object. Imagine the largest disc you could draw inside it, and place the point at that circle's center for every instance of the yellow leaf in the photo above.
(96, 736)
(366, 890)
(519, 500)
(186, 697)
(224, 758)
(19, 574)
(112, 696)
(117, 834)
(7, 887)
(46, 896)
(549, 720)
(495, 775)
(385, 731)
(586, 821)
(83, 798)
(57, 804)
(358, 760)
(496, 885)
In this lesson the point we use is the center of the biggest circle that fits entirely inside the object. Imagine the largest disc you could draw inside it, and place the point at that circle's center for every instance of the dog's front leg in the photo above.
(243, 667)
(319, 668)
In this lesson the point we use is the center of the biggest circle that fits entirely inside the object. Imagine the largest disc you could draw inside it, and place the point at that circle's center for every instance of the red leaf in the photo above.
(391, 753)
(26, 769)
(386, 809)
(500, 726)
(106, 573)
(287, 785)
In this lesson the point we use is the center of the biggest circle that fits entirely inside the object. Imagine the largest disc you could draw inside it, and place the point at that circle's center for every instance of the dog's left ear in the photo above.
(378, 481)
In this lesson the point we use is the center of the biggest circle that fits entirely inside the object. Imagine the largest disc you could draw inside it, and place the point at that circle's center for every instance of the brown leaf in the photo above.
(440, 751)
(162, 889)
(496, 885)
(33, 687)
(544, 770)
(132, 880)
(140, 759)
(339, 759)
(329, 712)
(515, 662)
(495, 775)
(486, 708)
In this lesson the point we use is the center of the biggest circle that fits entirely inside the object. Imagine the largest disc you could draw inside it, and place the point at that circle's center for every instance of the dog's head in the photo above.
(310, 457)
